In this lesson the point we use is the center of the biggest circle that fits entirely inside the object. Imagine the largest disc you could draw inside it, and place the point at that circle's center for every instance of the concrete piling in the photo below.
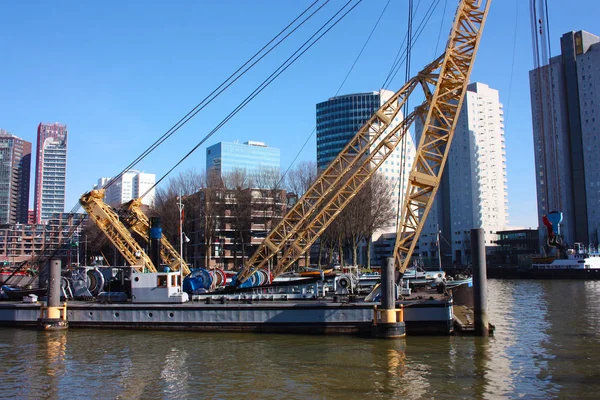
(481, 323)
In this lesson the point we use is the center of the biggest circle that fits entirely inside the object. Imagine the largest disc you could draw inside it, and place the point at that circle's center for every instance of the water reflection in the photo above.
(545, 346)
(519, 357)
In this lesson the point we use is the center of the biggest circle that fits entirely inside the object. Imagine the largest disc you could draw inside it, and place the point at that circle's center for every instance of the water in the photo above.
(546, 345)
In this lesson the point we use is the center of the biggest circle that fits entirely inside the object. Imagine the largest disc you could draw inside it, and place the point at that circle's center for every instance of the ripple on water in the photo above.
(545, 346)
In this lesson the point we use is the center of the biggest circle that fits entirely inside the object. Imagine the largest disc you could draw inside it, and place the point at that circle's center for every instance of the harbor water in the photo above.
(546, 345)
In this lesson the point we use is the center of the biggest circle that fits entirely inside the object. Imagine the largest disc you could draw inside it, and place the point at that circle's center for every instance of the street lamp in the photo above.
(180, 205)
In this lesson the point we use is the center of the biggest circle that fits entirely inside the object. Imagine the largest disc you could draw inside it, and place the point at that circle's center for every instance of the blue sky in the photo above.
(120, 74)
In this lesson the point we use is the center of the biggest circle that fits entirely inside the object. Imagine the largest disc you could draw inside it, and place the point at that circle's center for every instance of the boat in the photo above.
(12, 293)
(580, 261)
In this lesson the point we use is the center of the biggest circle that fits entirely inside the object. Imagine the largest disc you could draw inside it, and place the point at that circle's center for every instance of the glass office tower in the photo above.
(255, 159)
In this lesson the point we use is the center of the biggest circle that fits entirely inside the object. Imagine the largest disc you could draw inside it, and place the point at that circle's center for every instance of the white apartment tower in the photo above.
(131, 185)
(473, 191)
(565, 107)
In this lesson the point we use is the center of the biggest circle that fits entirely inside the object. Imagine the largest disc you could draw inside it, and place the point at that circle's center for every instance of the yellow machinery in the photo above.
(113, 226)
(443, 83)
(108, 221)
(134, 218)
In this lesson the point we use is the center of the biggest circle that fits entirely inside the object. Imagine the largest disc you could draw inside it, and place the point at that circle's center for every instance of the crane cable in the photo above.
(284, 66)
(243, 69)
(214, 94)
(338, 90)
(395, 64)
(400, 57)
(541, 56)
(404, 150)
(558, 185)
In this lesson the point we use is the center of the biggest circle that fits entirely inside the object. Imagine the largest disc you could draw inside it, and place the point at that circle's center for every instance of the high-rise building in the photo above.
(131, 185)
(565, 107)
(473, 191)
(50, 171)
(259, 163)
(338, 121)
(15, 168)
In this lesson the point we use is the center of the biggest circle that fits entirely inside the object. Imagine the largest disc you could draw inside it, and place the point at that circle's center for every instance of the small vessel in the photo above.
(579, 258)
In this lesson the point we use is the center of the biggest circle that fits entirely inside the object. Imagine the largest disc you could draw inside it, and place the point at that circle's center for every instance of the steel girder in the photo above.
(108, 221)
(135, 219)
(439, 125)
(374, 142)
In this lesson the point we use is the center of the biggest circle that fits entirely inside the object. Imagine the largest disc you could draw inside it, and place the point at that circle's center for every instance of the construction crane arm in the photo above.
(109, 223)
(133, 217)
(439, 125)
(444, 84)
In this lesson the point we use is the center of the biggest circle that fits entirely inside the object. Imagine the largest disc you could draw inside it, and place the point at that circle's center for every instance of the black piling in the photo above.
(481, 323)
(155, 237)
(53, 314)
(388, 320)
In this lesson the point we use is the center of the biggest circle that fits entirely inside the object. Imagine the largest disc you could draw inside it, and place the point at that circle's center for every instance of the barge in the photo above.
(157, 302)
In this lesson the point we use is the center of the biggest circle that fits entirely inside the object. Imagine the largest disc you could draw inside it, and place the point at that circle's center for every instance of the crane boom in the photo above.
(135, 219)
(108, 221)
(439, 125)
(375, 141)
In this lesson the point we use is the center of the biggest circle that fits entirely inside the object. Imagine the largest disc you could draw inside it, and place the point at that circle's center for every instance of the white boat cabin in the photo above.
(157, 287)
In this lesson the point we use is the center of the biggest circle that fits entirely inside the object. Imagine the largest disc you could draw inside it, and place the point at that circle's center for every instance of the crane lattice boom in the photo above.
(108, 221)
(444, 84)
(439, 125)
(133, 216)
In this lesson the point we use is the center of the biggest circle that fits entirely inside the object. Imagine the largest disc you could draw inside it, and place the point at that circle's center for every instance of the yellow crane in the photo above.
(109, 223)
(443, 83)
(115, 227)
(138, 222)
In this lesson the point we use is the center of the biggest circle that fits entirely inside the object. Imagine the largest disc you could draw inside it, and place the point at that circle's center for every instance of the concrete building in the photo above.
(338, 121)
(15, 169)
(50, 171)
(231, 225)
(130, 185)
(565, 110)
(59, 237)
(473, 192)
(259, 163)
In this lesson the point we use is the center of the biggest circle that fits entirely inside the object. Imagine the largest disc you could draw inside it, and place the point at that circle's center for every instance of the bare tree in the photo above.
(211, 209)
(298, 181)
(352, 219)
(381, 209)
(238, 199)
(269, 198)
(300, 178)
(236, 179)
(267, 178)
(187, 184)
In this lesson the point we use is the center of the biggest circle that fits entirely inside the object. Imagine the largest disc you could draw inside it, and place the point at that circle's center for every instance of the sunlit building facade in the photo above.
(131, 185)
(473, 192)
(15, 169)
(50, 171)
(565, 107)
(258, 162)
